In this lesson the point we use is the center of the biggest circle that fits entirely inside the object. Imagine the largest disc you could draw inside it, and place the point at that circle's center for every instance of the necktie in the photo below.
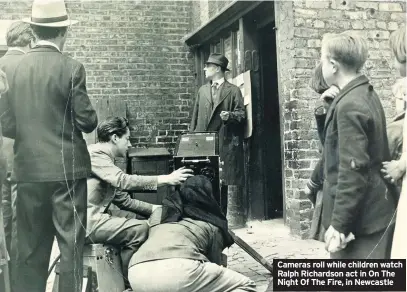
(215, 92)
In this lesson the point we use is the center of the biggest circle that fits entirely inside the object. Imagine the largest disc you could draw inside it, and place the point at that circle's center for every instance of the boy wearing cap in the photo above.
(219, 108)
(49, 103)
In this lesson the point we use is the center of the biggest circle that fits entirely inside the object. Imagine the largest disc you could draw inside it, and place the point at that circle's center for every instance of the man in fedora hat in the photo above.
(219, 108)
(20, 38)
(51, 109)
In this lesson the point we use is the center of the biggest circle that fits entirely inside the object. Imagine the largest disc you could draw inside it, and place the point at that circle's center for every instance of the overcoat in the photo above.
(206, 118)
(355, 146)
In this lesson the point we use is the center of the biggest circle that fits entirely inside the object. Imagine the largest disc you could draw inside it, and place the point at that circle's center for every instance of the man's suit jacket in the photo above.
(108, 184)
(206, 117)
(50, 106)
(355, 146)
(8, 64)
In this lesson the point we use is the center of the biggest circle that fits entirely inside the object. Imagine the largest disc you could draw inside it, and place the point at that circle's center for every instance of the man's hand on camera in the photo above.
(175, 178)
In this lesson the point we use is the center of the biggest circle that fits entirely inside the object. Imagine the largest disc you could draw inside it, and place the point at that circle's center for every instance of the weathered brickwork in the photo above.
(310, 20)
(133, 50)
(204, 10)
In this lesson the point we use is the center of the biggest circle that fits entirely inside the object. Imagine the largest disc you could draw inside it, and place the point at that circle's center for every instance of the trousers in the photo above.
(9, 194)
(124, 231)
(45, 210)
(185, 275)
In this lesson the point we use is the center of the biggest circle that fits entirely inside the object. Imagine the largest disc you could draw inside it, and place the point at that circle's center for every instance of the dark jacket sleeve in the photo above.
(85, 115)
(8, 121)
(194, 114)
(354, 162)
(238, 113)
(316, 181)
(317, 174)
(214, 254)
(395, 137)
(320, 116)
(3, 164)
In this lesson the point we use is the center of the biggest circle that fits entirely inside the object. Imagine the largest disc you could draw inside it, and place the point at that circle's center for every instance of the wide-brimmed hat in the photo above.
(50, 13)
(218, 59)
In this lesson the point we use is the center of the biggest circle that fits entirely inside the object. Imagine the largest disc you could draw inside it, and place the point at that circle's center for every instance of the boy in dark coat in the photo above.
(355, 146)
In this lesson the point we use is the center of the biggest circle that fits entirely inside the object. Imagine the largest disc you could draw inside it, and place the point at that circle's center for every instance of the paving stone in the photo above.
(271, 239)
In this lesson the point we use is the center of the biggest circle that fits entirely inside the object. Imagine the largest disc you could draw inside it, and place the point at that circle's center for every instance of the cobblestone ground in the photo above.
(271, 239)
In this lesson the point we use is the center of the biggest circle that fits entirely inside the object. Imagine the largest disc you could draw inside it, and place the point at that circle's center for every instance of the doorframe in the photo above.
(286, 26)
(250, 25)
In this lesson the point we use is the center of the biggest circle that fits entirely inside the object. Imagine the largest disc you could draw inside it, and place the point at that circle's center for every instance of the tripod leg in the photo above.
(250, 251)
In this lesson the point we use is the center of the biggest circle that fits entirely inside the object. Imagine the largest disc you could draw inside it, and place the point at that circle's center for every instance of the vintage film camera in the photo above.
(199, 151)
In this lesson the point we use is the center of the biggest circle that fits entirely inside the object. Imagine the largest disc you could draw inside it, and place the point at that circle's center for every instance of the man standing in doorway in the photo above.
(49, 103)
(20, 39)
(219, 108)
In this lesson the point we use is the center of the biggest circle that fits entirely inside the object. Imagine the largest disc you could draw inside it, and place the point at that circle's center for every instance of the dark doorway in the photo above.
(272, 132)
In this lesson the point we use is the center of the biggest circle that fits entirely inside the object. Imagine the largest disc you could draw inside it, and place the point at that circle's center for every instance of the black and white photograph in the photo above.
(203, 145)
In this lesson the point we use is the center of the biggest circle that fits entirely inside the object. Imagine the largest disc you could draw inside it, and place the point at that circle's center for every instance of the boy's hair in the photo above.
(19, 34)
(398, 44)
(347, 48)
(317, 81)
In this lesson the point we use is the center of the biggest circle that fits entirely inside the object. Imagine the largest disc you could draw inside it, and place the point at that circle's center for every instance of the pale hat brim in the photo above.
(64, 23)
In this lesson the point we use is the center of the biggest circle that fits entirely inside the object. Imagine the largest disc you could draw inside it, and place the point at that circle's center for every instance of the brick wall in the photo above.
(203, 10)
(215, 6)
(133, 50)
(301, 25)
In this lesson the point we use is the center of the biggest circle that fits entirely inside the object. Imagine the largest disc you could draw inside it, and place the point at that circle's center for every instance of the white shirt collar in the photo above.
(47, 43)
(219, 82)
(16, 49)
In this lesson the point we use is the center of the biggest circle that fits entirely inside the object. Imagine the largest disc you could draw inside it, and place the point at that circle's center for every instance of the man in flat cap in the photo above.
(51, 109)
(219, 108)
